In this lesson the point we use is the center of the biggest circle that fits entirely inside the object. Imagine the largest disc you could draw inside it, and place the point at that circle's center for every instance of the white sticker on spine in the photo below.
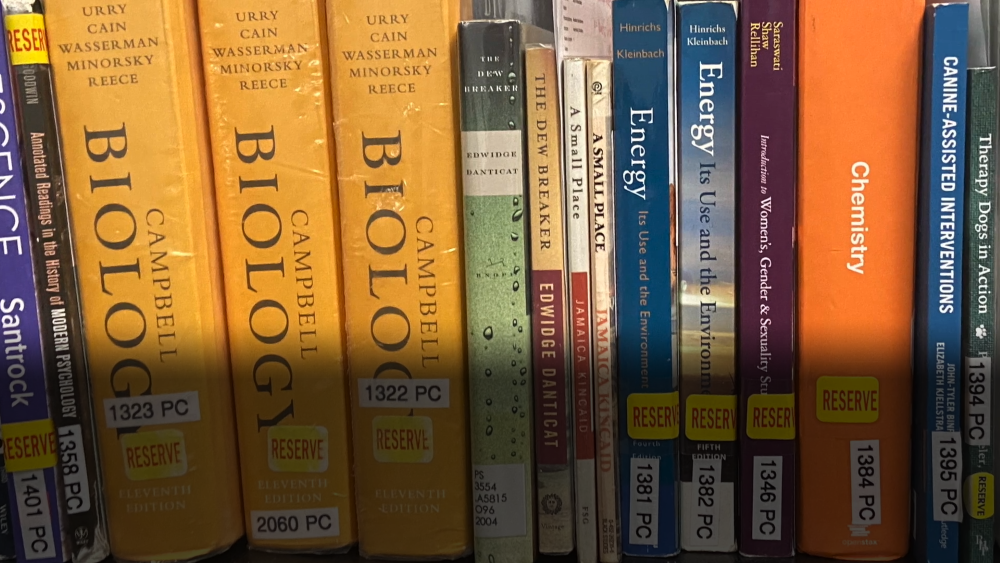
(499, 505)
(644, 501)
(305, 523)
(150, 410)
(866, 483)
(493, 163)
(706, 478)
(404, 393)
(33, 513)
(767, 480)
(978, 387)
(73, 466)
(946, 476)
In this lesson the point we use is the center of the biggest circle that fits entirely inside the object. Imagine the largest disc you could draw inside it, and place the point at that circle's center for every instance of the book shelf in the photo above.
(723, 404)
(239, 553)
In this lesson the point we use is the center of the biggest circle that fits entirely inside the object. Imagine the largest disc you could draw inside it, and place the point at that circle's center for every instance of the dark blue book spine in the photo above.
(647, 389)
(706, 206)
(13, 231)
(937, 475)
(28, 431)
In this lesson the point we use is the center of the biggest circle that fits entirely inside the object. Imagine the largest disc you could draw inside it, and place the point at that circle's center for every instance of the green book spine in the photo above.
(980, 317)
(497, 299)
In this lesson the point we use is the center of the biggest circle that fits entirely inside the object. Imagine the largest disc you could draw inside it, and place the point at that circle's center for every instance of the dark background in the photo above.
(240, 554)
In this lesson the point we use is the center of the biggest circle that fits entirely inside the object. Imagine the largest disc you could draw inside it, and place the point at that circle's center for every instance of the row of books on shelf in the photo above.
(442, 276)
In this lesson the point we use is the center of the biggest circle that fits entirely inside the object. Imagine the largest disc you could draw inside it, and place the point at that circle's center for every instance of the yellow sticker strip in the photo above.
(154, 455)
(771, 417)
(979, 495)
(26, 39)
(29, 445)
(298, 449)
(711, 418)
(653, 416)
(852, 400)
(403, 439)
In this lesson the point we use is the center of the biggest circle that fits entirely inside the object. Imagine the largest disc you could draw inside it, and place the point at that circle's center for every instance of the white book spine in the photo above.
(577, 203)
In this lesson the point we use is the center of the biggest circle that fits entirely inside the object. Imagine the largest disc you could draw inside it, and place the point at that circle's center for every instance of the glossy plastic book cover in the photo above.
(278, 209)
(706, 207)
(29, 434)
(647, 391)
(398, 171)
(139, 178)
(497, 264)
(80, 482)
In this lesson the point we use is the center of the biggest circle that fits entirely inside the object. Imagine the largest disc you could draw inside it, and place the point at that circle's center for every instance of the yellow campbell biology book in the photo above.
(139, 177)
(272, 133)
(395, 116)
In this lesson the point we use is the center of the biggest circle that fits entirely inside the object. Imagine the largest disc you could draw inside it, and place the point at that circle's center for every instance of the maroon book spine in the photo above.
(766, 278)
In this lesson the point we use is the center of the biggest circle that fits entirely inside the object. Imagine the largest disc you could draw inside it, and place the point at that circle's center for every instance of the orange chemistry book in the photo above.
(858, 138)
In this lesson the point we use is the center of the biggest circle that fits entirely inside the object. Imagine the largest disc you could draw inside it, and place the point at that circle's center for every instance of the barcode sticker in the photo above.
(946, 476)
(767, 480)
(499, 505)
(305, 523)
(706, 478)
(33, 513)
(73, 467)
(149, 410)
(978, 397)
(404, 393)
(866, 483)
(644, 501)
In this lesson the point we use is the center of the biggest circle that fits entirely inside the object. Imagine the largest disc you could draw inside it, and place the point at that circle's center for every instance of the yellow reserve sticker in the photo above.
(847, 399)
(653, 416)
(29, 445)
(771, 417)
(298, 449)
(403, 439)
(26, 39)
(710, 418)
(154, 455)
(979, 495)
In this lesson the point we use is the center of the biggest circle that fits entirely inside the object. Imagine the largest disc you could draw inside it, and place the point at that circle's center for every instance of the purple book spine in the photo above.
(767, 275)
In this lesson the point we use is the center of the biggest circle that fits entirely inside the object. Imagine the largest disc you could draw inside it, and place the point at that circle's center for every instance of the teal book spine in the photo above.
(979, 322)
(498, 302)
(707, 71)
